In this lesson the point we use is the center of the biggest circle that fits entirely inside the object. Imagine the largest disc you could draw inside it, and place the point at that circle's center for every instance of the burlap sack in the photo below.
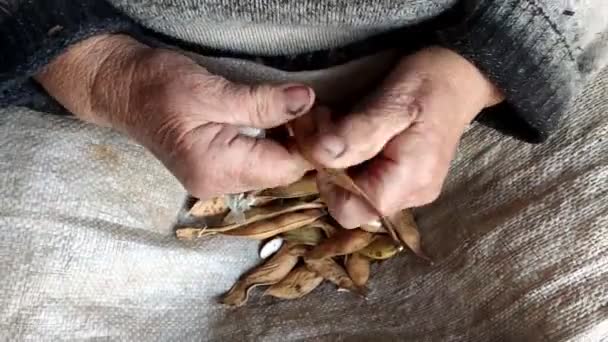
(519, 236)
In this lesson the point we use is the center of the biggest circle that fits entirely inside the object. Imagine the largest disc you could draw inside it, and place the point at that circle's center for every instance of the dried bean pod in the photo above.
(298, 283)
(263, 213)
(270, 272)
(407, 230)
(305, 187)
(280, 224)
(332, 271)
(345, 241)
(358, 268)
(309, 235)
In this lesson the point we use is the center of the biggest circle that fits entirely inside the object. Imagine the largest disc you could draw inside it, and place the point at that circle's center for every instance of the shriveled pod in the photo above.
(252, 216)
(263, 213)
(345, 241)
(358, 268)
(305, 187)
(265, 229)
(383, 247)
(309, 235)
(332, 271)
(407, 230)
(298, 283)
(326, 227)
(270, 272)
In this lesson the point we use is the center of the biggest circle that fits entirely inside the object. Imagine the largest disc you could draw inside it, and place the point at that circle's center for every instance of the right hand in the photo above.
(186, 116)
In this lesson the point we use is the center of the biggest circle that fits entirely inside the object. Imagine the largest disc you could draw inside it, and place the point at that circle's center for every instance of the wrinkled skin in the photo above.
(406, 132)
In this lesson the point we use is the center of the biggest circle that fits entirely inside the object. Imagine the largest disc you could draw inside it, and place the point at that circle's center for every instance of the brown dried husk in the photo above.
(330, 270)
(298, 283)
(327, 228)
(305, 187)
(358, 268)
(268, 228)
(407, 229)
(308, 235)
(263, 213)
(270, 272)
(251, 216)
(345, 241)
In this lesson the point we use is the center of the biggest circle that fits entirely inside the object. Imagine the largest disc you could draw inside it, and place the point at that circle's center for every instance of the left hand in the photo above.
(405, 134)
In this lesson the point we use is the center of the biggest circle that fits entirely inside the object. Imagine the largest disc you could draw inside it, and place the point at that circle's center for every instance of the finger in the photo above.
(362, 134)
(259, 106)
(345, 207)
(221, 161)
(409, 173)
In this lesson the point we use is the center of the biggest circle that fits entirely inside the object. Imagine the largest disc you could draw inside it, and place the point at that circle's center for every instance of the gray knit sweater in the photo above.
(540, 52)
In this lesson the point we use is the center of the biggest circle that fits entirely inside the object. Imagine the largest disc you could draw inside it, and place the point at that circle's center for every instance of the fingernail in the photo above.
(298, 99)
(333, 145)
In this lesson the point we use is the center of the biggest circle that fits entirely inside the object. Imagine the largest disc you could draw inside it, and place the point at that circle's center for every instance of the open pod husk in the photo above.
(298, 283)
(270, 272)
(330, 270)
(305, 187)
(407, 230)
(345, 241)
(251, 216)
(286, 222)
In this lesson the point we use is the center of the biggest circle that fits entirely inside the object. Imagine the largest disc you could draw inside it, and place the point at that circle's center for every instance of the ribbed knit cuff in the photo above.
(34, 32)
(522, 51)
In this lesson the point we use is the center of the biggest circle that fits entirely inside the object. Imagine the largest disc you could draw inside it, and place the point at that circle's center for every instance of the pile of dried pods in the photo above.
(302, 245)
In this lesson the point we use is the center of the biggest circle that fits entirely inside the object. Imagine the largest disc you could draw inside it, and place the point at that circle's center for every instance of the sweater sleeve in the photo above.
(539, 52)
(33, 32)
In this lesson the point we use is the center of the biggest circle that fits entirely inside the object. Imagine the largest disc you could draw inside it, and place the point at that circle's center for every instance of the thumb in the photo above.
(259, 106)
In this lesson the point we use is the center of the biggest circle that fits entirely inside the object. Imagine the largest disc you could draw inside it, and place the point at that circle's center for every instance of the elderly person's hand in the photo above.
(186, 116)
(402, 137)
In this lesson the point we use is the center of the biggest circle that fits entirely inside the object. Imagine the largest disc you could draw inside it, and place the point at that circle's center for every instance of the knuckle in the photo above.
(399, 99)
(392, 102)
(207, 84)
(258, 104)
